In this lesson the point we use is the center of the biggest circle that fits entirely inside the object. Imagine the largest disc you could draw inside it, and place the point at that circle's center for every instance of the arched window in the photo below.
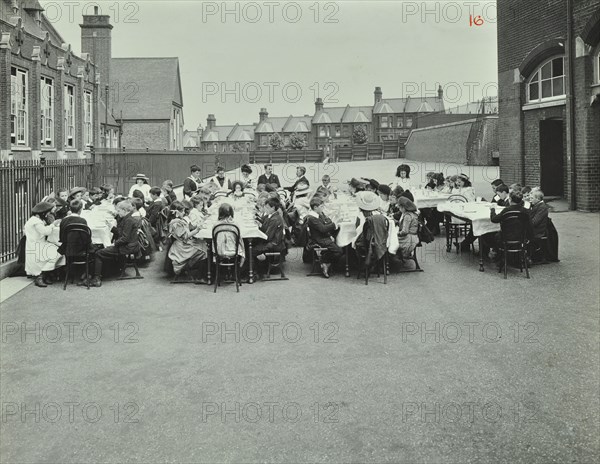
(548, 81)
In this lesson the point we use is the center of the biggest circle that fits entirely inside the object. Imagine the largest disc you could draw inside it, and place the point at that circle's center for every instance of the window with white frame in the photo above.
(409, 121)
(400, 122)
(384, 121)
(19, 101)
(596, 58)
(69, 119)
(338, 131)
(547, 81)
(47, 112)
(322, 131)
(115, 138)
(87, 119)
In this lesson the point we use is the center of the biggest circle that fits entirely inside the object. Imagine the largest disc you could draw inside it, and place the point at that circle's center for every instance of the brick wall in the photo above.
(142, 134)
(445, 143)
(521, 38)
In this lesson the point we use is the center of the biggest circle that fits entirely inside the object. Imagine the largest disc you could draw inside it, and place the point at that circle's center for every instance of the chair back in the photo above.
(78, 240)
(376, 230)
(456, 198)
(514, 226)
(226, 239)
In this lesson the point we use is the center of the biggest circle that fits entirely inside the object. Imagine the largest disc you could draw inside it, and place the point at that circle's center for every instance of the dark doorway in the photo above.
(551, 157)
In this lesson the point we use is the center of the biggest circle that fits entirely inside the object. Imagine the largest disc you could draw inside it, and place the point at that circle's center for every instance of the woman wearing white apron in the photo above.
(41, 256)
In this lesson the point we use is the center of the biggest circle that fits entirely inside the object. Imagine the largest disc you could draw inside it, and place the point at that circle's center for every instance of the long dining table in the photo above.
(478, 215)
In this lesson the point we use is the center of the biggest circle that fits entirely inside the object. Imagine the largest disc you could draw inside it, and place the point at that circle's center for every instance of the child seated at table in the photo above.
(501, 196)
(273, 227)
(226, 244)
(408, 227)
(463, 187)
(384, 192)
(126, 240)
(186, 250)
(322, 229)
(368, 204)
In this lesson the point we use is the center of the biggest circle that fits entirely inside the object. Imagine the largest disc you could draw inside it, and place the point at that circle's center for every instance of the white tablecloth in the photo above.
(247, 231)
(477, 213)
(348, 232)
(101, 234)
(100, 223)
(429, 199)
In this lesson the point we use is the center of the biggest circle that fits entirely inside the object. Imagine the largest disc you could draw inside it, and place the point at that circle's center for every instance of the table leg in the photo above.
(481, 269)
(347, 261)
(209, 262)
(250, 263)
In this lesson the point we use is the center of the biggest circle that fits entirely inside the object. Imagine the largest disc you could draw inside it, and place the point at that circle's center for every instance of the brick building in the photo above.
(49, 99)
(549, 97)
(285, 126)
(225, 138)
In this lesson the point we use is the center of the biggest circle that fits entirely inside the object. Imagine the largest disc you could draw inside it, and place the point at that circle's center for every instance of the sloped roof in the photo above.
(190, 138)
(147, 87)
(102, 115)
(29, 23)
(344, 114)
(242, 133)
(217, 134)
(297, 124)
(409, 105)
(474, 108)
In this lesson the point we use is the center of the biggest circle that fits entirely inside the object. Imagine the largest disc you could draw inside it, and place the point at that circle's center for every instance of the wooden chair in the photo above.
(227, 261)
(514, 230)
(130, 260)
(455, 227)
(77, 250)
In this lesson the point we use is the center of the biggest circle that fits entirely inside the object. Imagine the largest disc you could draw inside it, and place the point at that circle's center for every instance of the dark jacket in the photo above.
(189, 187)
(510, 233)
(126, 235)
(539, 219)
(273, 228)
(153, 212)
(66, 247)
(321, 229)
(272, 179)
(301, 180)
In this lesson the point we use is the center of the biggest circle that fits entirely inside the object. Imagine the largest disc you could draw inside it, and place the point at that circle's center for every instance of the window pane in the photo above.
(547, 71)
(557, 67)
(534, 91)
(558, 86)
(546, 89)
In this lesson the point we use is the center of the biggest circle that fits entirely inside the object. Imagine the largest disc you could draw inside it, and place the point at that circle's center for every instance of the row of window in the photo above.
(19, 112)
(388, 122)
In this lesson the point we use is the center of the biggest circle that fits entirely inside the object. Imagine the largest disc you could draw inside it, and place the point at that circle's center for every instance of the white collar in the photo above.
(313, 214)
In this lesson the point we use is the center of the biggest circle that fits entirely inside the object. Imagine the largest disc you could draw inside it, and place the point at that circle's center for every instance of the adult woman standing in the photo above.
(141, 184)
(41, 256)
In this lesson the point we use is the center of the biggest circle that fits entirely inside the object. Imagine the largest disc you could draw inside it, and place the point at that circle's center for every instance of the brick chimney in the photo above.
(96, 39)
(211, 121)
(319, 105)
(440, 92)
(199, 132)
(378, 94)
(263, 115)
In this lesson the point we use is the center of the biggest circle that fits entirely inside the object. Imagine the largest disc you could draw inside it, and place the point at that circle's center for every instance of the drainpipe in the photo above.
(571, 103)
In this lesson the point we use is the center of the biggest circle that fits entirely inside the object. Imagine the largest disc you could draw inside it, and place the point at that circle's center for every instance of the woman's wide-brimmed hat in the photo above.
(76, 190)
(367, 201)
(407, 204)
(141, 176)
(42, 207)
(463, 177)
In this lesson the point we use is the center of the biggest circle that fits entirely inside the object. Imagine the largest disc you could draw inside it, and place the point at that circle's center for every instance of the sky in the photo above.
(238, 57)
